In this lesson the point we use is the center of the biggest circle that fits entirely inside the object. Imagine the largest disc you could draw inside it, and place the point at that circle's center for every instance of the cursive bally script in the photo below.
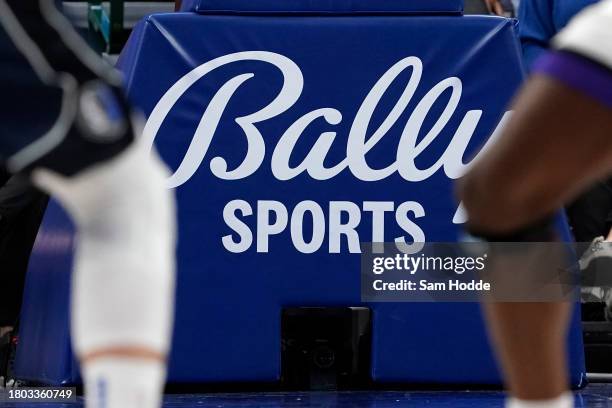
(359, 143)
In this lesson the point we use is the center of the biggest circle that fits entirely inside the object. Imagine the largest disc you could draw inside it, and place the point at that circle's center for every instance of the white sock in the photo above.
(112, 382)
(565, 400)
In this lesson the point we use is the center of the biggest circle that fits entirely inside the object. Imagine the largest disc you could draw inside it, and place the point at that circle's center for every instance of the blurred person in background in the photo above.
(21, 210)
(541, 20)
(504, 8)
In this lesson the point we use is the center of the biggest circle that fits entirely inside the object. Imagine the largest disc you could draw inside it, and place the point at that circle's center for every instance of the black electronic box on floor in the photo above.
(326, 348)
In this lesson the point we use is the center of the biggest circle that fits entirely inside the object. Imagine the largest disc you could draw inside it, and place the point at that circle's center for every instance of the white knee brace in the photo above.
(123, 283)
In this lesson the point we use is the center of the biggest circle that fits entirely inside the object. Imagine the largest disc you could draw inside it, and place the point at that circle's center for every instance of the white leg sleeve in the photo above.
(123, 283)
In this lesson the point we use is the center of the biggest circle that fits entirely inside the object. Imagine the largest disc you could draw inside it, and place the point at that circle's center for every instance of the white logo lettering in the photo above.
(359, 142)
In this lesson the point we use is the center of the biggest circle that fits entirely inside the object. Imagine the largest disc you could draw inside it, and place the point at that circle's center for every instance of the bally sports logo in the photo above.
(359, 142)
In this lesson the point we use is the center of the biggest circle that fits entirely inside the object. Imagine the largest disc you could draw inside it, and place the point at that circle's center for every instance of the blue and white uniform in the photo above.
(61, 106)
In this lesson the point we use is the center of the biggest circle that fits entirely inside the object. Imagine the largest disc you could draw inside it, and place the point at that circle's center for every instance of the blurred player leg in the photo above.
(569, 97)
(123, 287)
(501, 197)
(84, 153)
(530, 339)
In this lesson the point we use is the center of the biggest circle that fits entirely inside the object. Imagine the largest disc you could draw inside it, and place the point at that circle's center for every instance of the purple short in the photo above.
(578, 72)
